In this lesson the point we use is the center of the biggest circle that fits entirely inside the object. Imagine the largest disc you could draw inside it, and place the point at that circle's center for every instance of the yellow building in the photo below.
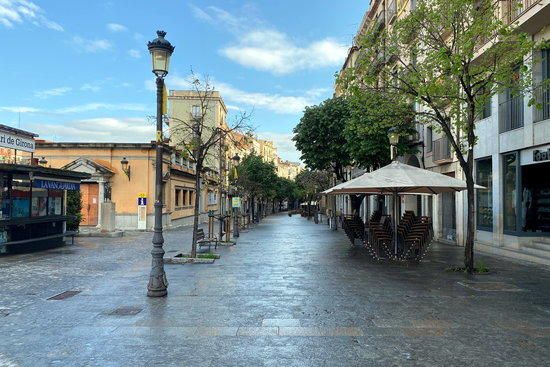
(287, 169)
(123, 173)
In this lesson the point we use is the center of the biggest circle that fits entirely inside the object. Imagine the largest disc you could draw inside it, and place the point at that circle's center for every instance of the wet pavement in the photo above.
(291, 293)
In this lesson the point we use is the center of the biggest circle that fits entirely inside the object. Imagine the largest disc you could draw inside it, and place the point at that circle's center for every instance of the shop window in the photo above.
(510, 178)
(21, 197)
(5, 197)
(39, 202)
(55, 202)
(484, 177)
(535, 198)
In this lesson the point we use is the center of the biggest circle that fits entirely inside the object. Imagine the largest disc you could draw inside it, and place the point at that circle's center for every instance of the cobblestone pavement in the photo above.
(291, 293)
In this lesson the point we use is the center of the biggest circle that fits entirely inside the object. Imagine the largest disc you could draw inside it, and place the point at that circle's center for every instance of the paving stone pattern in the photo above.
(291, 293)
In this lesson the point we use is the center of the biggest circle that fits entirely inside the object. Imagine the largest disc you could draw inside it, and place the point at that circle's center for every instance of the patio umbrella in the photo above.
(399, 178)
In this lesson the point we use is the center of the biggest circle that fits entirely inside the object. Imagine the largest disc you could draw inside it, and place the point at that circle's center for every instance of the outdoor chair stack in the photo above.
(354, 228)
(414, 235)
(380, 236)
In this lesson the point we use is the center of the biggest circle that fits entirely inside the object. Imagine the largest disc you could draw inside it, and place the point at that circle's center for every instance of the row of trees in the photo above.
(439, 66)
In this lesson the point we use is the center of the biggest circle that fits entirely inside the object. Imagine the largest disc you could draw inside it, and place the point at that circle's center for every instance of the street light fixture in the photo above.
(236, 159)
(160, 50)
(125, 167)
(393, 136)
(43, 162)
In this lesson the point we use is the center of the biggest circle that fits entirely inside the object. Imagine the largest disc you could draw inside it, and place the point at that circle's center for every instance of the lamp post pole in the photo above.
(161, 50)
(393, 135)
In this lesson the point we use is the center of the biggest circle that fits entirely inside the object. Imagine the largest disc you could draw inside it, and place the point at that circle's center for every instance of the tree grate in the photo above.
(64, 295)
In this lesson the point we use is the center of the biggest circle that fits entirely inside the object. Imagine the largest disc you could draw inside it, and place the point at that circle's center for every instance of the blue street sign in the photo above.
(142, 201)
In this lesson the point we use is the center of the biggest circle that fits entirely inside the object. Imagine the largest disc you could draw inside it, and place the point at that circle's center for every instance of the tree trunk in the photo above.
(252, 204)
(196, 212)
(471, 226)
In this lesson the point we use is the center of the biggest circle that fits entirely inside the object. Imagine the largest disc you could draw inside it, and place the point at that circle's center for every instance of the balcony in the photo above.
(442, 151)
(516, 8)
(380, 21)
(392, 10)
(542, 109)
(510, 113)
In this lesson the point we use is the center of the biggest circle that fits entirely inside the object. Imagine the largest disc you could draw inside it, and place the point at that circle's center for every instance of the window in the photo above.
(212, 198)
(196, 111)
(510, 108)
(55, 202)
(177, 198)
(484, 177)
(5, 197)
(429, 139)
(484, 105)
(541, 75)
(510, 173)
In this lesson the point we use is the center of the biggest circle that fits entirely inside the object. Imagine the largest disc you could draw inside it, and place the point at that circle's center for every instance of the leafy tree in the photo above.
(201, 138)
(311, 183)
(74, 209)
(371, 116)
(432, 58)
(257, 179)
(319, 136)
(286, 189)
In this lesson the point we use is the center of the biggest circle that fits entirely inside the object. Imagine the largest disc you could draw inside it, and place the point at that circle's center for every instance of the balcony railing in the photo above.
(516, 8)
(510, 113)
(441, 150)
(392, 10)
(542, 100)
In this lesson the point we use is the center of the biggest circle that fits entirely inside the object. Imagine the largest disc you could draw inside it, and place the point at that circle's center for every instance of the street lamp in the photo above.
(236, 159)
(43, 162)
(125, 164)
(160, 50)
(393, 136)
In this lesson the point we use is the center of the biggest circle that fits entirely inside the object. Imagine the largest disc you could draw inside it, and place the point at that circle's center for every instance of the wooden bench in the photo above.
(203, 241)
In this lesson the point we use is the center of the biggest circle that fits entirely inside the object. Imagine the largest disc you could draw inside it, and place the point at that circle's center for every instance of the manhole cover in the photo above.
(125, 311)
(64, 295)
(491, 286)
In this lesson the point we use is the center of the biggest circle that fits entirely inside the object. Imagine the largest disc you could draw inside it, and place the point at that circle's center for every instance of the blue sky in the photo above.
(80, 71)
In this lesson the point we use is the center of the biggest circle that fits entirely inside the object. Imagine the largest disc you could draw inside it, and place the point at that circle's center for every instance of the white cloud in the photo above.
(200, 14)
(53, 92)
(21, 109)
(233, 108)
(102, 106)
(134, 53)
(14, 12)
(115, 27)
(98, 130)
(278, 103)
(273, 51)
(91, 46)
(285, 146)
(87, 87)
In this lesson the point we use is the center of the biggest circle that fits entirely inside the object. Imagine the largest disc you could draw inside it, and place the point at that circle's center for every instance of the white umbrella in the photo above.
(398, 178)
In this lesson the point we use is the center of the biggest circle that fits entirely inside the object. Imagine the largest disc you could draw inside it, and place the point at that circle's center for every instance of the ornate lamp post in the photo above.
(160, 50)
(236, 159)
(393, 135)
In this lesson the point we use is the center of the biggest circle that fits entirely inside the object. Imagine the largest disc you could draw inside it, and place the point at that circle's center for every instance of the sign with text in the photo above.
(55, 185)
(12, 141)
(236, 202)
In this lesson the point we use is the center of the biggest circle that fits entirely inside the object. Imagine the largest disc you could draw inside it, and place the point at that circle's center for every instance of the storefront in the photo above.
(526, 192)
(33, 205)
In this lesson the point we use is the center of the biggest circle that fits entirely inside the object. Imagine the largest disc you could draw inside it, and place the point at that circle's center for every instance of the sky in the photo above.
(76, 70)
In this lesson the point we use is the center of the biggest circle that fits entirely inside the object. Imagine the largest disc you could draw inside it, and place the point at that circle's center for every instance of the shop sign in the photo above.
(55, 185)
(236, 202)
(12, 141)
(541, 155)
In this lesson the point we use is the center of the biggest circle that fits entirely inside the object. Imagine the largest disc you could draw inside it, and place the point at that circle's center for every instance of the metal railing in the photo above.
(510, 113)
(542, 99)
(516, 8)
(441, 150)
(392, 10)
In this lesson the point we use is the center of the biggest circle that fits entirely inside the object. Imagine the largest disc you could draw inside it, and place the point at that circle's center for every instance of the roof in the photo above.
(48, 144)
(44, 171)
(13, 130)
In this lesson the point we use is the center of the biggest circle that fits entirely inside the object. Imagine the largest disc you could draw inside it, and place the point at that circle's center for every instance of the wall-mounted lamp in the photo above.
(43, 162)
(125, 167)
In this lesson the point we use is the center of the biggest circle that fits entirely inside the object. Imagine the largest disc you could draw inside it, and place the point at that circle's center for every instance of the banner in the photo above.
(55, 185)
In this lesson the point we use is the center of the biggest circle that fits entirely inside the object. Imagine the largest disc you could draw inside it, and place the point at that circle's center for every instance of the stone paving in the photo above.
(291, 293)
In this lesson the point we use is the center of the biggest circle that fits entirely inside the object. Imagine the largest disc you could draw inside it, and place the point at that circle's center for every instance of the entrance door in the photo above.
(90, 203)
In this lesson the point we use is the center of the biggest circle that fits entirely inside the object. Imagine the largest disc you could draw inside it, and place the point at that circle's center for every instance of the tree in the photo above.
(74, 209)
(432, 58)
(199, 135)
(285, 189)
(311, 183)
(257, 179)
(319, 136)
(371, 116)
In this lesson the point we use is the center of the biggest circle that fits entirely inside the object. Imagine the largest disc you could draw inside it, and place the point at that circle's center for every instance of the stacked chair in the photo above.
(354, 228)
(380, 234)
(414, 235)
